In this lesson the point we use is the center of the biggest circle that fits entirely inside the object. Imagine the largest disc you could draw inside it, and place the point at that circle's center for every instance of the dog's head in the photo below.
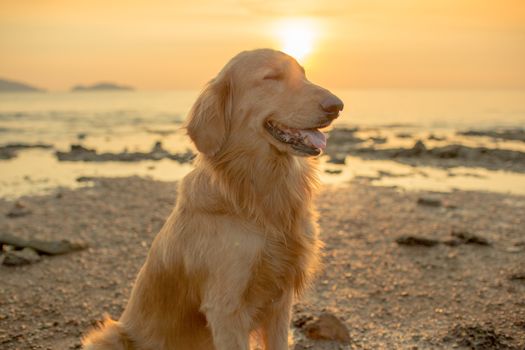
(262, 98)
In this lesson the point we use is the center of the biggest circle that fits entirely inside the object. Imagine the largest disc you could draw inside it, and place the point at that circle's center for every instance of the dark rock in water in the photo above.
(84, 179)
(433, 137)
(385, 173)
(404, 135)
(476, 153)
(429, 201)
(158, 152)
(327, 327)
(338, 158)
(18, 210)
(343, 142)
(157, 147)
(418, 148)
(469, 238)
(182, 157)
(43, 247)
(81, 149)
(448, 151)
(479, 338)
(446, 156)
(398, 125)
(7, 154)
(11, 149)
(20, 257)
(340, 136)
(378, 139)
(161, 132)
(79, 153)
(415, 241)
(19, 146)
(333, 171)
(76, 153)
(505, 134)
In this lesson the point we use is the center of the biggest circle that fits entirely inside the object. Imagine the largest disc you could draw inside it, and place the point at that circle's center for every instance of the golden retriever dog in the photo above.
(241, 241)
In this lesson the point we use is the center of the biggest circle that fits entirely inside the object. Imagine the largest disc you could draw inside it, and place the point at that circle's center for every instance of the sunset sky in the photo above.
(160, 44)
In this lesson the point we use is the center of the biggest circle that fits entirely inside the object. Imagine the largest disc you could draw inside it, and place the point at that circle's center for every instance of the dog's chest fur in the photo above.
(279, 207)
(285, 264)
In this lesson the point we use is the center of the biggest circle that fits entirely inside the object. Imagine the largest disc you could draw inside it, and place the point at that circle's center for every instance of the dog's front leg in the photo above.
(277, 322)
(227, 317)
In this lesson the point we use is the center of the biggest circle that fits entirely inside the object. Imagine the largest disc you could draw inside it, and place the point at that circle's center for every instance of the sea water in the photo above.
(115, 121)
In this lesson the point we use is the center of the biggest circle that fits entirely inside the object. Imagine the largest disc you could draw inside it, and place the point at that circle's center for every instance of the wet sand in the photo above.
(389, 295)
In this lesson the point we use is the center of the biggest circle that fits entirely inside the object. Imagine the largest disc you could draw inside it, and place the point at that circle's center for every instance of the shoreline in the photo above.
(387, 294)
(408, 158)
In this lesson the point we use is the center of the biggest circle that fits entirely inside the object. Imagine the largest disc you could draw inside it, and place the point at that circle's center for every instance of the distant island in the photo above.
(14, 86)
(101, 87)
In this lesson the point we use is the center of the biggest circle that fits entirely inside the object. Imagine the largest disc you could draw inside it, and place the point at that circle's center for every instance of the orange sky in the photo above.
(160, 44)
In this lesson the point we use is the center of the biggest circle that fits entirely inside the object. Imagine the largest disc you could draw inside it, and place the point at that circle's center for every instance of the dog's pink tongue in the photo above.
(315, 137)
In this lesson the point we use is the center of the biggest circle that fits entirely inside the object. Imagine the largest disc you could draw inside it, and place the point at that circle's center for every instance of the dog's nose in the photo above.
(332, 105)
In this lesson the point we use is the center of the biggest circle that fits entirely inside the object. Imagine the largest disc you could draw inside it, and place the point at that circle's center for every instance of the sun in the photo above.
(297, 37)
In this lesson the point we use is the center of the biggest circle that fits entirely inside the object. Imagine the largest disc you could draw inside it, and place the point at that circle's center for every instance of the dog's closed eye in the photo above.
(274, 75)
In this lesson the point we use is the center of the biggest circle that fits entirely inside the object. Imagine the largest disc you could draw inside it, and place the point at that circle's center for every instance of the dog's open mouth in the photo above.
(308, 141)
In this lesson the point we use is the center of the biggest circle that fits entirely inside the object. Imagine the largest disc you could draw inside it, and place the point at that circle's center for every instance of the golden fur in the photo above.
(242, 239)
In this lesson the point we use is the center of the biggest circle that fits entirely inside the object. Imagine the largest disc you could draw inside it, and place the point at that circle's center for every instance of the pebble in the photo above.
(327, 327)
(18, 210)
(469, 238)
(429, 201)
(25, 256)
(55, 247)
(517, 276)
(416, 241)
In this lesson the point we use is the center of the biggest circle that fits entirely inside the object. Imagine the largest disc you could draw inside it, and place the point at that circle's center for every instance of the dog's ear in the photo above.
(208, 120)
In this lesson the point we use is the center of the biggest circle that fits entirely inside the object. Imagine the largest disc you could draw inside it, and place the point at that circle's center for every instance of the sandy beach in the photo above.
(396, 272)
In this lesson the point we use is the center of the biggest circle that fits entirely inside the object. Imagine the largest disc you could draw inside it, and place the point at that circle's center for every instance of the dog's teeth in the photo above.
(310, 138)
